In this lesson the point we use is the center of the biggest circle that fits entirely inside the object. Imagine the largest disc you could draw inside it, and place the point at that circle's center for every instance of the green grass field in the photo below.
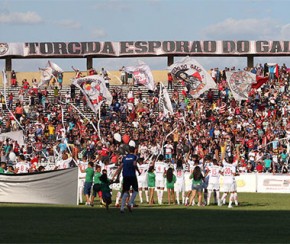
(259, 218)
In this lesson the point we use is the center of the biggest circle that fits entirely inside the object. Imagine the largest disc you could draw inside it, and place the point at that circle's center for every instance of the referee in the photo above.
(129, 166)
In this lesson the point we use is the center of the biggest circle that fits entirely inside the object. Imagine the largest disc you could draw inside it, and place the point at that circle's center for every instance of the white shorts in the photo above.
(231, 187)
(160, 182)
(179, 186)
(142, 183)
(187, 182)
(81, 182)
(213, 186)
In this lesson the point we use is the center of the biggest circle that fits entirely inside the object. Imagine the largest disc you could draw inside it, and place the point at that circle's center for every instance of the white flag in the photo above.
(193, 76)
(240, 83)
(164, 100)
(5, 82)
(55, 67)
(142, 75)
(46, 74)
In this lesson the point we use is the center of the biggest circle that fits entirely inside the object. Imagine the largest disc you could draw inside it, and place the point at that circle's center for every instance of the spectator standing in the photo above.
(97, 185)
(18, 112)
(60, 79)
(73, 92)
(170, 181)
(197, 182)
(105, 189)
(123, 75)
(151, 184)
(107, 81)
(10, 100)
(13, 78)
(56, 94)
(104, 72)
(170, 81)
(88, 181)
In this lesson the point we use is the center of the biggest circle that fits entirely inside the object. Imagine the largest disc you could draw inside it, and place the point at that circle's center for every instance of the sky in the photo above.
(142, 20)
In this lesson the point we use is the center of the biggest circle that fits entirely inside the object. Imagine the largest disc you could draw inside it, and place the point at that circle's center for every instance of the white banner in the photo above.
(145, 48)
(193, 76)
(269, 183)
(245, 183)
(14, 135)
(52, 187)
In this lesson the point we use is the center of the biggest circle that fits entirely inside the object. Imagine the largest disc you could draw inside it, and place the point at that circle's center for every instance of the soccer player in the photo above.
(229, 172)
(129, 166)
(213, 172)
(180, 184)
(63, 163)
(160, 168)
(83, 164)
(22, 166)
(142, 179)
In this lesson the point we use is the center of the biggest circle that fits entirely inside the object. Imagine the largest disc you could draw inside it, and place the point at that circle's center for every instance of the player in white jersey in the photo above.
(188, 168)
(64, 162)
(142, 179)
(22, 166)
(83, 164)
(213, 172)
(230, 186)
(180, 181)
(111, 169)
(207, 162)
(160, 168)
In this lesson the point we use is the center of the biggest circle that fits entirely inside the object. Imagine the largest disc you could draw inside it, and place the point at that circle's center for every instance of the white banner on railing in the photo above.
(53, 187)
(245, 183)
(269, 183)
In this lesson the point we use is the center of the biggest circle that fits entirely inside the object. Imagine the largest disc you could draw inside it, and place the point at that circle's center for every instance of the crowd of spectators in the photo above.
(255, 132)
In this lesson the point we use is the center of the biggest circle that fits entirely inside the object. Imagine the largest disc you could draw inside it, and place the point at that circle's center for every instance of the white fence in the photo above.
(262, 183)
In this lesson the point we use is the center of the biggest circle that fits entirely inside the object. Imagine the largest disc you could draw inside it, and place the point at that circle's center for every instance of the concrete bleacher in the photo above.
(88, 112)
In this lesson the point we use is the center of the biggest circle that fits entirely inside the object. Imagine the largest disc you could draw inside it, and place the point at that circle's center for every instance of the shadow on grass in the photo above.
(166, 224)
(248, 204)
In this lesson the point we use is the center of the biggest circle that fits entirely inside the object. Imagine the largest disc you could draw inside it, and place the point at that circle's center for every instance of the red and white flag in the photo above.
(241, 82)
(142, 75)
(94, 89)
(193, 76)
(260, 80)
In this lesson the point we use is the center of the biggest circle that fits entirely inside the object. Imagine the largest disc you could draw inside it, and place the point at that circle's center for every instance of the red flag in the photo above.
(259, 82)
(277, 71)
